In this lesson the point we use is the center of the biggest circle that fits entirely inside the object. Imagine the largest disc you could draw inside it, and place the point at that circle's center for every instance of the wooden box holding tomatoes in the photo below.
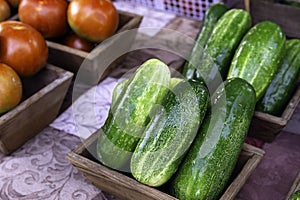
(43, 95)
(83, 157)
(71, 59)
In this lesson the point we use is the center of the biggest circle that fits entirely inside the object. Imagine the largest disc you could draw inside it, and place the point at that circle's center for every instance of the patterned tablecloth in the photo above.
(39, 169)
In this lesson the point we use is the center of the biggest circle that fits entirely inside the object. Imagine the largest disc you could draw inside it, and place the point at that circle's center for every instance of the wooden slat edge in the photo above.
(114, 176)
(64, 48)
(294, 186)
(292, 105)
(241, 179)
(286, 115)
(253, 149)
(133, 23)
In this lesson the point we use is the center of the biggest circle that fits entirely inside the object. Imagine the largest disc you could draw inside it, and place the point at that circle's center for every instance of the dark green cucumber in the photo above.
(129, 114)
(292, 3)
(221, 45)
(212, 157)
(258, 56)
(169, 134)
(295, 196)
(283, 84)
(210, 19)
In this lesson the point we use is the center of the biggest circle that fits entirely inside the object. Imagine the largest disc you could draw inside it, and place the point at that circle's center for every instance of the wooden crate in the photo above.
(43, 96)
(266, 127)
(288, 17)
(295, 187)
(125, 187)
(71, 59)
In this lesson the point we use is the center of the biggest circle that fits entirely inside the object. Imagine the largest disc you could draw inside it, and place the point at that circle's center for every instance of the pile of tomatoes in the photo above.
(90, 21)
(23, 49)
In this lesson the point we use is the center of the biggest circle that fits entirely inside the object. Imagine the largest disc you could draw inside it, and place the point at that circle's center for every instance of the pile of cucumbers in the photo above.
(260, 54)
(187, 133)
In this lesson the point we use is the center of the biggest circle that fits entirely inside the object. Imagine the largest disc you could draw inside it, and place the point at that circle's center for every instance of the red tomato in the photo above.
(22, 47)
(4, 10)
(47, 16)
(76, 42)
(10, 88)
(94, 20)
(14, 3)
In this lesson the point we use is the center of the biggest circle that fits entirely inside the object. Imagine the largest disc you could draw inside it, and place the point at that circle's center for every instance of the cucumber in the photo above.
(283, 84)
(121, 85)
(295, 196)
(169, 134)
(174, 81)
(212, 157)
(258, 56)
(221, 45)
(129, 114)
(118, 90)
(210, 19)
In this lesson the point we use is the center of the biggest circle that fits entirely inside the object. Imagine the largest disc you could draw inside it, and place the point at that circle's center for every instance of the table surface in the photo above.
(39, 169)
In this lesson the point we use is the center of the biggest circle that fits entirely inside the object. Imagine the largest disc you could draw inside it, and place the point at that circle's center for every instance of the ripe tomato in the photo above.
(14, 3)
(22, 47)
(10, 88)
(74, 41)
(47, 16)
(94, 20)
(4, 10)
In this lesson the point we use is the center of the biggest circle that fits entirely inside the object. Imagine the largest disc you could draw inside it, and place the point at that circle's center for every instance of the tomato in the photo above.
(14, 3)
(76, 42)
(22, 47)
(10, 88)
(4, 10)
(47, 16)
(94, 20)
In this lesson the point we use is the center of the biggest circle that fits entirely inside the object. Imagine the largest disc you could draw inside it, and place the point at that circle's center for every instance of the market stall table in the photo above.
(39, 169)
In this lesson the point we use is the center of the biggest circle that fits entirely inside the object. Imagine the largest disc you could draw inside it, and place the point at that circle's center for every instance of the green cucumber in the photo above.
(221, 45)
(295, 195)
(210, 19)
(212, 157)
(258, 56)
(169, 134)
(292, 3)
(174, 81)
(118, 90)
(129, 114)
(121, 85)
(283, 84)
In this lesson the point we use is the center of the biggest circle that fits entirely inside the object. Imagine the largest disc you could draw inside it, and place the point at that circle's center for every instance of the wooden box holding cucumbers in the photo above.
(260, 54)
(175, 140)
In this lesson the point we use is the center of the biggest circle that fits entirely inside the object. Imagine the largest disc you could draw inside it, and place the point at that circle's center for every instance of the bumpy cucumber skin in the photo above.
(121, 86)
(170, 133)
(258, 56)
(210, 19)
(118, 90)
(224, 39)
(283, 84)
(211, 159)
(129, 115)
